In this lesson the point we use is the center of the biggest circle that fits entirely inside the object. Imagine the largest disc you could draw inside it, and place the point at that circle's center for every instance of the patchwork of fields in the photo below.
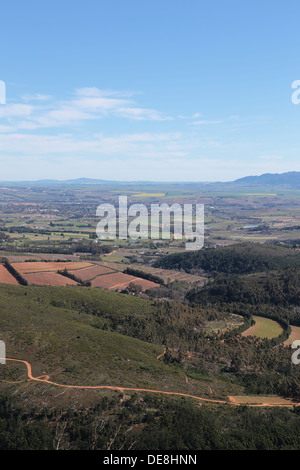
(168, 275)
(44, 273)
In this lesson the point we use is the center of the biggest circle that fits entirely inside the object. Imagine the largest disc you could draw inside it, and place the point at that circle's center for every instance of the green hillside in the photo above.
(61, 338)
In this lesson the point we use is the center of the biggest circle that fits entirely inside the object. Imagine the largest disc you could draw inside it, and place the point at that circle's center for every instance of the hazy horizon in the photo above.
(137, 181)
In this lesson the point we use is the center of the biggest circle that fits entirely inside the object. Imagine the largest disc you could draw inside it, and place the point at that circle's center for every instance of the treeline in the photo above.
(144, 275)
(22, 229)
(66, 273)
(21, 280)
(287, 243)
(234, 259)
(65, 247)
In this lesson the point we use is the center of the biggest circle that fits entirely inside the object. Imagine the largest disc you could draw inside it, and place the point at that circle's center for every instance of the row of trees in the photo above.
(144, 275)
(66, 273)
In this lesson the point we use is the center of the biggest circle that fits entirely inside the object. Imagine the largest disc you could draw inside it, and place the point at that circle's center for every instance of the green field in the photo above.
(264, 328)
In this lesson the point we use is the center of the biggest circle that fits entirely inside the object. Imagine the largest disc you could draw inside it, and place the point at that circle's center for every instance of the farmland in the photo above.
(122, 314)
(87, 274)
(48, 279)
(38, 267)
(118, 281)
(42, 273)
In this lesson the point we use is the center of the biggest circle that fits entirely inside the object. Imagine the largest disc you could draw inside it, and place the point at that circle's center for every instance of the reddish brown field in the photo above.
(119, 281)
(110, 281)
(166, 274)
(48, 279)
(87, 274)
(40, 266)
(145, 284)
(6, 277)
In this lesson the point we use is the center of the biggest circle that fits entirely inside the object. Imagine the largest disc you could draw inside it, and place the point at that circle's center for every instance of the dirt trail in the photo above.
(161, 355)
(121, 389)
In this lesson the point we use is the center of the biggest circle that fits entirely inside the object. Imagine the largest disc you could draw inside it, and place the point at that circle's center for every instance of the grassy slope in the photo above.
(69, 345)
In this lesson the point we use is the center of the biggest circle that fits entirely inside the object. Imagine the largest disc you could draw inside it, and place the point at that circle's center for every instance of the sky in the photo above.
(140, 90)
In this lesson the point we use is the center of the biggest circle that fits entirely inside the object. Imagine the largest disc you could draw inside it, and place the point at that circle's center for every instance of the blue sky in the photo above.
(167, 90)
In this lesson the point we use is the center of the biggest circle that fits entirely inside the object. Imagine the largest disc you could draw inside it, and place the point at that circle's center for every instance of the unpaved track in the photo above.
(121, 389)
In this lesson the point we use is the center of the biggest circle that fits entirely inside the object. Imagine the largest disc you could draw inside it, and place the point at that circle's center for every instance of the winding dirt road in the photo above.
(232, 401)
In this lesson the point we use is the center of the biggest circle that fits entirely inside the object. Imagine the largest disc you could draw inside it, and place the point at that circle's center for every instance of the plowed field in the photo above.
(6, 277)
(48, 279)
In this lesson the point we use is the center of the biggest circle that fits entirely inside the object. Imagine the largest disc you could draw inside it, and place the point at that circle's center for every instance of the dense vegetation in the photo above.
(148, 423)
(241, 258)
(161, 322)
(280, 289)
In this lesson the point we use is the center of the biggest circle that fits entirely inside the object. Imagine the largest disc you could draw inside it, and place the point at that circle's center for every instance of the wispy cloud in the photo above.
(41, 111)
(111, 130)
(143, 145)
(36, 97)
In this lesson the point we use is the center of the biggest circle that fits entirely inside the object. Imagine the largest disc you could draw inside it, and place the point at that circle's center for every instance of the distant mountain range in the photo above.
(291, 178)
